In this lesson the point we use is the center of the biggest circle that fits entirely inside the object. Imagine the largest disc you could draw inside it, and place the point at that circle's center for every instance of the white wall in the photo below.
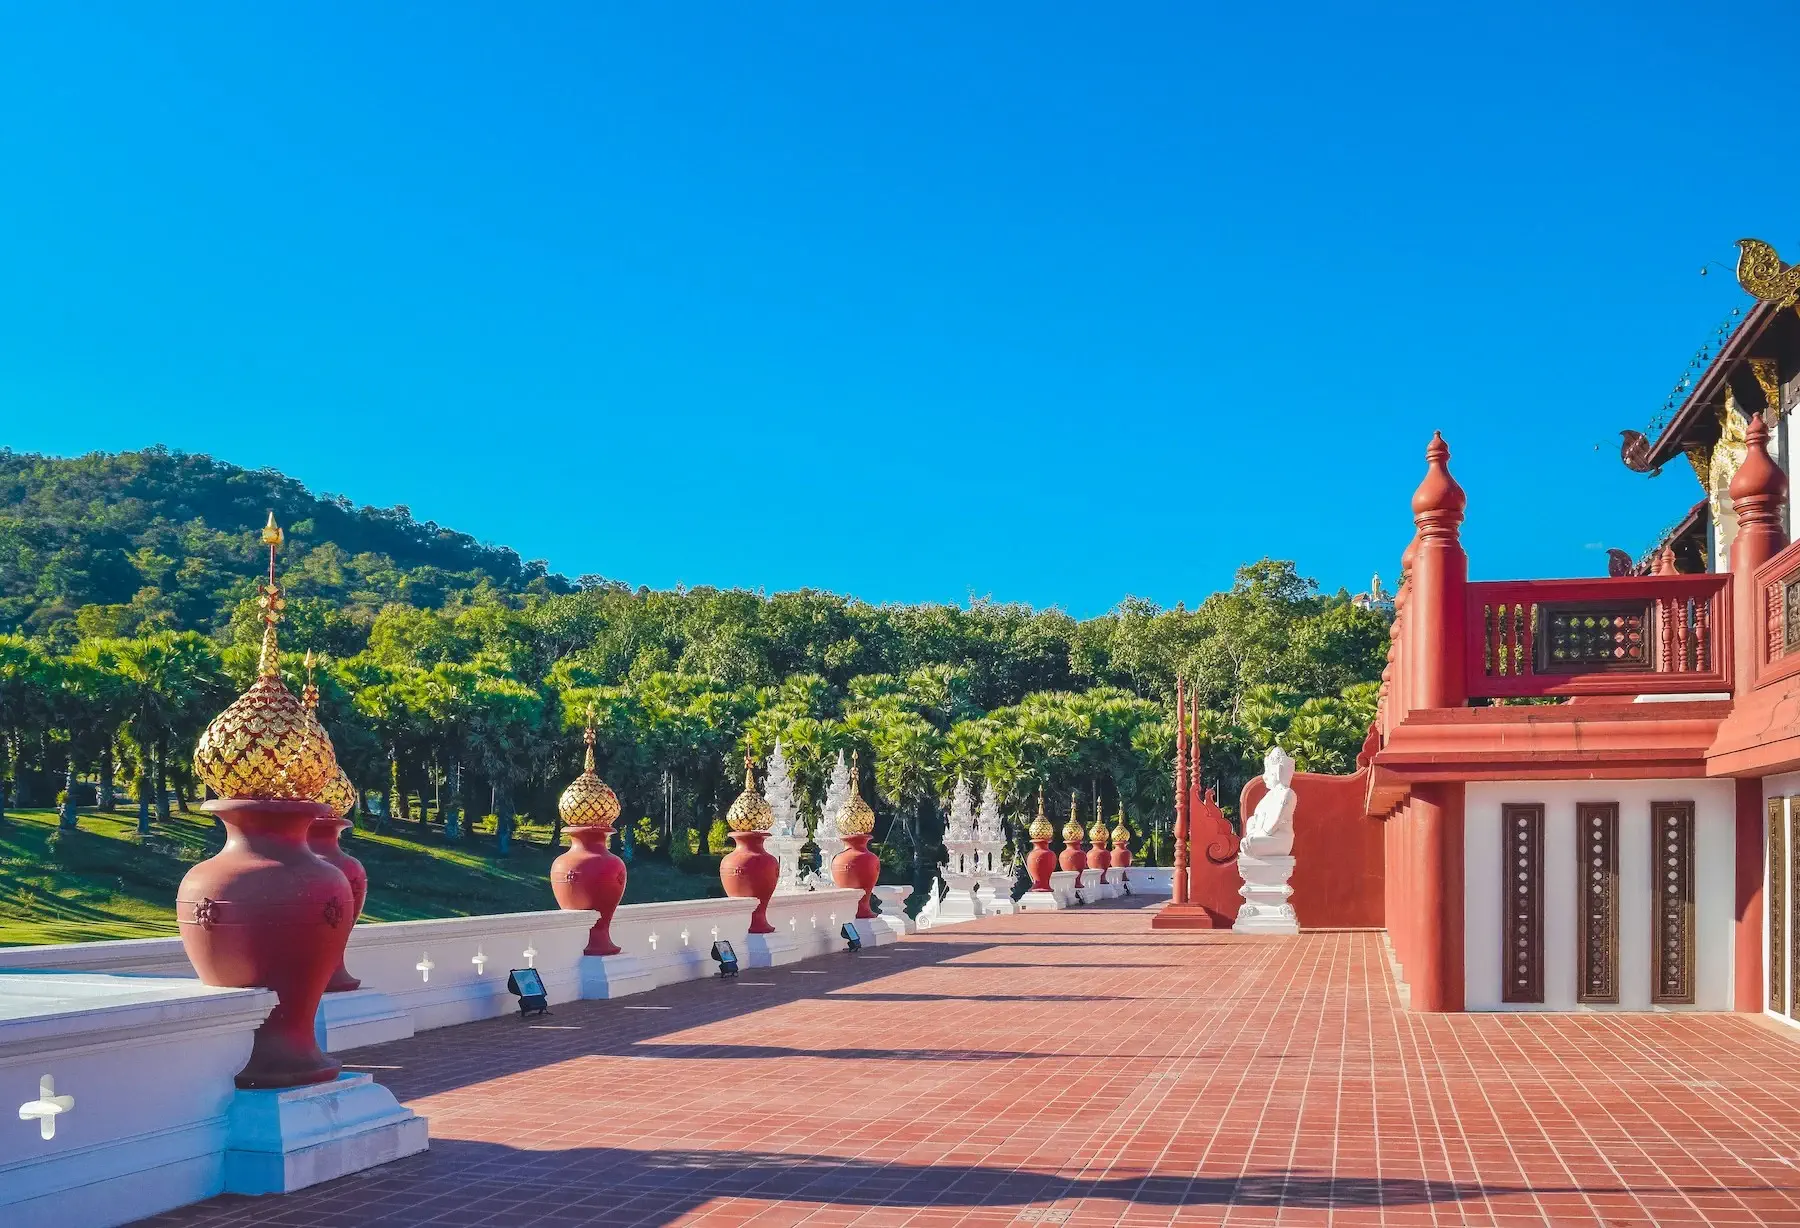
(1714, 889)
(1787, 786)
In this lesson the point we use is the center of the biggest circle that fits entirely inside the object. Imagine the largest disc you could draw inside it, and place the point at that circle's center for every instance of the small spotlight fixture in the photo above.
(728, 960)
(528, 984)
(851, 937)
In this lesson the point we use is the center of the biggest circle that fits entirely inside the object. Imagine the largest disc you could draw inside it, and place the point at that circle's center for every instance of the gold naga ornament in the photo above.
(1763, 276)
(854, 817)
(266, 745)
(1073, 830)
(588, 801)
(750, 812)
(340, 794)
(1040, 826)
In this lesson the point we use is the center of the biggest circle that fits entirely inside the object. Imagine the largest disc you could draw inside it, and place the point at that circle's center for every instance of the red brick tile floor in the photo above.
(1075, 1068)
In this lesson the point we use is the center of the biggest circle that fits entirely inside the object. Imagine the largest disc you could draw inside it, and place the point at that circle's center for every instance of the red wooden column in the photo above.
(1178, 875)
(1757, 492)
(1435, 616)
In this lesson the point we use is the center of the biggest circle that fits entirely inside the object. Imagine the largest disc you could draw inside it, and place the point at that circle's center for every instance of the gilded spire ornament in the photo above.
(1763, 276)
(1097, 834)
(338, 793)
(1040, 826)
(855, 818)
(267, 745)
(750, 812)
(1072, 830)
(1121, 834)
(588, 801)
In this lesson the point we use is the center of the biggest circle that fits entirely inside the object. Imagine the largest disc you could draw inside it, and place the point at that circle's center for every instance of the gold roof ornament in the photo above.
(750, 812)
(266, 745)
(1073, 831)
(1121, 834)
(588, 801)
(1763, 276)
(1040, 826)
(855, 818)
(340, 795)
(1097, 834)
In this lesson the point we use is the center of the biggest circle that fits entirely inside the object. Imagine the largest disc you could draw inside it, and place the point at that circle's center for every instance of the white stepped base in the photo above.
(1062, 883)
(614, 976)
(360, 1017)
(1040, 901)
(772, 950)
(873, 933)
(281, 1141)
(892, 898)
(957, 906)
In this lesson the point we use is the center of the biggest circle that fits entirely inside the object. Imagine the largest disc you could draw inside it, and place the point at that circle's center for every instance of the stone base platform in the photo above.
(281, 1141)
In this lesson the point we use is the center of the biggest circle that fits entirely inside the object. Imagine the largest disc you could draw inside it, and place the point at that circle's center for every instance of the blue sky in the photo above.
(1050, 303)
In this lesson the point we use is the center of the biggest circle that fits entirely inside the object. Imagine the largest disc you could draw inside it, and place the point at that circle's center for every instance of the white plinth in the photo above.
(280, 1141)
(1062, 883)
(873, 933)
(614, 976)
(1265, 909)
(958, 903)
(1040, 901)
(360, 1017)
(771, 950)
(996, 896)
(892, 897)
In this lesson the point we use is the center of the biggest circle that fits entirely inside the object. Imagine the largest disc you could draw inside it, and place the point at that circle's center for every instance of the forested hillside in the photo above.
(455, 677)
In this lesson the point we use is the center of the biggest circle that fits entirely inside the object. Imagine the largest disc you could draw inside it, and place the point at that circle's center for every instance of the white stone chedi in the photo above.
(825, 833)
(1265, 855)
(788, 834)
(957, 902)
(992, 876)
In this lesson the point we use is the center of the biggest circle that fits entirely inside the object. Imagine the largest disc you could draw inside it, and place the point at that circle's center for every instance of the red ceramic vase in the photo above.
(1074, 859)
(1040, 863)
(1121, 857)
(267, 911)
(857, 867)
(749, 872)
(324, 839)
(590, 875)
(1098, 859)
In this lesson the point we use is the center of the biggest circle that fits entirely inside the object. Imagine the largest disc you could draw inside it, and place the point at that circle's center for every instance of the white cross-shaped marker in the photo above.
(834, 918)
(653, 942)
(715, 933)
(46, 1108)
(530, 954)
(684, 938)
(425, 966)
(815, 920)
(479, 959)
(793, 923)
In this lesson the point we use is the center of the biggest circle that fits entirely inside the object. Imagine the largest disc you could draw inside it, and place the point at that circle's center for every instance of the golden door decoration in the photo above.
(1522, 902)
(1597, 853)
(1672, 903)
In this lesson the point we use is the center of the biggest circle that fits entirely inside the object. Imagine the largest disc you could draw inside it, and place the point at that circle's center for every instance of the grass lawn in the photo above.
(102, 881)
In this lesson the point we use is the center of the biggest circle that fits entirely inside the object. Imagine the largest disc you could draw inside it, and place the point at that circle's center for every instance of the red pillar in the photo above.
(1436, 612)
(1757, 491)
(1178, 875)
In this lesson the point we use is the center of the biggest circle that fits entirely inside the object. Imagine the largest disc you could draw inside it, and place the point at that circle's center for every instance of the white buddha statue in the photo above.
(1265, 855)
(1269, 832)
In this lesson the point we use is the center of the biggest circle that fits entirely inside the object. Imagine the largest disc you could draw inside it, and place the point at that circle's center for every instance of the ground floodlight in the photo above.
(728, 960)
(528, 984)
(852, 937)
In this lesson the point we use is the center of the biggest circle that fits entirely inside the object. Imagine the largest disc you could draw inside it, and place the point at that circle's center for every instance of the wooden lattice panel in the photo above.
(1778, 907)
(1793, 911)
(1522, 902)
(1672, 903)
(1597, 853)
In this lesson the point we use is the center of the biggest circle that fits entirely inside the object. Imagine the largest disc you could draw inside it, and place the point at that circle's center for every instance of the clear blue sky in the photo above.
(912, 302)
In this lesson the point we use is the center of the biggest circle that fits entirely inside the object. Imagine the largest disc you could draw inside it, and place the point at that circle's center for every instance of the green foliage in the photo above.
(457, 677)
(718, 838)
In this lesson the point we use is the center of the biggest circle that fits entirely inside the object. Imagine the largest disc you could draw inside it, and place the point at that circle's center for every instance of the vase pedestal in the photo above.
(286, 1140)
(892, 897)
(614, 976)
(356, 1017)
(1265, 909)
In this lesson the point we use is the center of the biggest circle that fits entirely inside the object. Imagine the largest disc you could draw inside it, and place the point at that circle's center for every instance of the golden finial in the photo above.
(340, 795)
(1121, 834)
(1763, 276)
(1040, 826)
(1073, 830)
(855, 818)
(749, 812)
(1097, 834)
(588, 801)
(267, 745)
(309, 694)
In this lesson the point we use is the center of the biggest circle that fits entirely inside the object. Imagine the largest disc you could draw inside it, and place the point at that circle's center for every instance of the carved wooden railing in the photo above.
(1778, 583)
(1636, 635)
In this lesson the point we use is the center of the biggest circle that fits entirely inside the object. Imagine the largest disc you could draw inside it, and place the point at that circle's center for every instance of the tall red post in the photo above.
(1179, 881)
(1436, 610)
(1757, 490)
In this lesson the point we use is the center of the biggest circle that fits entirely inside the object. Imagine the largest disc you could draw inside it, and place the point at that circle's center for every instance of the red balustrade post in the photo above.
(1439, 611)
(1178, 876)
(1757, 491)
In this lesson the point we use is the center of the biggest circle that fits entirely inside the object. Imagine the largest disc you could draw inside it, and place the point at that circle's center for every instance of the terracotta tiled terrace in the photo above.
(1076, 1068)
